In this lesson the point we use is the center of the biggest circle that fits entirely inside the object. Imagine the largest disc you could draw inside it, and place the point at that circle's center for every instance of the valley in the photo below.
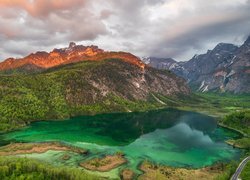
(124, 90)
(109, 115)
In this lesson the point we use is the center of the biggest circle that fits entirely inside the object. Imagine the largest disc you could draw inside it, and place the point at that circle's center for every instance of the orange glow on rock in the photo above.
(69, 55)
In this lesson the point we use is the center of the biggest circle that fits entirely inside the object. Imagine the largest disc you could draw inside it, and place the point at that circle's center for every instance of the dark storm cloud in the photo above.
(163, 28)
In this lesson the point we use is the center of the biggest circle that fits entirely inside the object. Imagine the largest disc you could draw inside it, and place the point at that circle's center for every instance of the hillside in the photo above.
(80, 88)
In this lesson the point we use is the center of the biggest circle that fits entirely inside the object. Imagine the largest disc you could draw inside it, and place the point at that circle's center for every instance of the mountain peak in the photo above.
(225, 47)
(72, 44)
(160, 63)
(247, 42)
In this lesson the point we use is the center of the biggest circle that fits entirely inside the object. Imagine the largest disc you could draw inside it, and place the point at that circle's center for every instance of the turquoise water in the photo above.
(169, 137)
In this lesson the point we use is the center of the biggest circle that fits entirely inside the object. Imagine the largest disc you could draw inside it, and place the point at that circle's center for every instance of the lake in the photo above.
(169, 137)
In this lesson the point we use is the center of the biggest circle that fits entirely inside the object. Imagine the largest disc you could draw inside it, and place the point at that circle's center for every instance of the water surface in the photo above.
(169, 137)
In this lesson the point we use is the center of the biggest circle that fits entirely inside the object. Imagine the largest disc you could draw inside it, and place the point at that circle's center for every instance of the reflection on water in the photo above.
(185, 137)
(168, 136)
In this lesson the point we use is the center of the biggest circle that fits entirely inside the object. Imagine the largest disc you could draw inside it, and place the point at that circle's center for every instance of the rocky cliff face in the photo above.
(123, 80)
(226, 68)
(207, 63)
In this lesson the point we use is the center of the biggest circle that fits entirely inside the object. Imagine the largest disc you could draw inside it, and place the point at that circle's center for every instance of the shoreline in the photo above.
(233, 129)
(234, 142)
(104, 164)
(42, 147)
(183, 108)
(229, 142)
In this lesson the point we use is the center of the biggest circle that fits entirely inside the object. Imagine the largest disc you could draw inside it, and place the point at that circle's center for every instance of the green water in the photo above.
(169, 137)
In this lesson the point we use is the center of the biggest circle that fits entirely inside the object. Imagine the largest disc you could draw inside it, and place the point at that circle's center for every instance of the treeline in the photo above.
(27, 98)
(23, 168)
(239, 120)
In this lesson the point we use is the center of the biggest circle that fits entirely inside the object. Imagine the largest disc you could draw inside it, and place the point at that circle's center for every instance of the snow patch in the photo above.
(205, 89)
(201, 86)
(158, 100)
(232, 72)
(173, 66)
(146, 60)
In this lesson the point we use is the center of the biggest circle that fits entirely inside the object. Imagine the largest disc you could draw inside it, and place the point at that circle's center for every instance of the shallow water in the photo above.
(169, 137)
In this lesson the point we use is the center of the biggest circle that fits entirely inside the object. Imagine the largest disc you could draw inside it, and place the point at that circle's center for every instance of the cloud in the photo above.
(180, 28)
(162, 28)
(42, 8)
(46, 23)
(203, 27)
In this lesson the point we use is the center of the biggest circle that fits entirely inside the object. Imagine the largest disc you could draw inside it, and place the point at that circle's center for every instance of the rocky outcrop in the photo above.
(121, 79)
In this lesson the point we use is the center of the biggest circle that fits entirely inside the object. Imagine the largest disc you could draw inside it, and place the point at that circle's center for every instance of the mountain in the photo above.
(73, 53)
(105, 82)
(166, 63)
(159, 63)
(226, 68)
(206, 63)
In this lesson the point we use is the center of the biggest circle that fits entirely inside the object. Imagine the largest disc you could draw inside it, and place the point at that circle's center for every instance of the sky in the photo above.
(159, 28)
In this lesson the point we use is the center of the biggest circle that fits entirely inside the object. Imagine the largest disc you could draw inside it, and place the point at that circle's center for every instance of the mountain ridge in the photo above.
(73, 53)
(226, 68)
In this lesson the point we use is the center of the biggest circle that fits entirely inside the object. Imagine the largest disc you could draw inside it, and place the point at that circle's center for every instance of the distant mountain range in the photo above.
(226, 68)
